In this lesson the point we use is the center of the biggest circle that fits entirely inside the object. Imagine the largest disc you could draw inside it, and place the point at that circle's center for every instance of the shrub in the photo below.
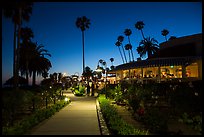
(119, 98)
(156, 120)
(194, 121)
(28, 122)
(79, 90)
(184, 99)
(115, 123)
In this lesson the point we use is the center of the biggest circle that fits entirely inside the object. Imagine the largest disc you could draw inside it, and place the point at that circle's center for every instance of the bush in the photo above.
(156, 120)
(27, 123)
(194, 121)
(186, 99)
(119, 95)
(79, 90)
(115, 123)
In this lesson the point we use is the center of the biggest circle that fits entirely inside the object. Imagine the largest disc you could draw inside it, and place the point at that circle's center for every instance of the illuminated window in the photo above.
(192, 70)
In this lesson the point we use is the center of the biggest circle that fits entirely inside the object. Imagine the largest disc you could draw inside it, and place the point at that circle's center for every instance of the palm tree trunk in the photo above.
(27, 72)
(34, 77)
(129, 39)
(121, 54)
(18, 52)
(149, 54)
(124, 53)
(83, 50)
(27, 78)
(129, 49)
(165, 38)
(129, 56)
(14, 53)
(132, 56)
(142, 34)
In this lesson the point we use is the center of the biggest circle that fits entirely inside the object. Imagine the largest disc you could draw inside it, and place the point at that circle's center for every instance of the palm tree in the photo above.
(52, 78)
(100, 61)
(149, 46)
(87, 73)
(26, 55)
(120, 39)
(105, 67)
(127, 47)
(18, 11)
(55, 77)
(130, 47)
(32, 60)
(59, 77)
(83, 23)
(164, 33)
(112, 59)
(39, 64)
(118, 44)
(128, 32)
(140, 25)
(44, 66)
(45, 74)
(25, 50)
(26, 34)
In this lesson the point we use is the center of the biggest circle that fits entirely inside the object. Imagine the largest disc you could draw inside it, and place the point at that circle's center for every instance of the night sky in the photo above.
(53, 25)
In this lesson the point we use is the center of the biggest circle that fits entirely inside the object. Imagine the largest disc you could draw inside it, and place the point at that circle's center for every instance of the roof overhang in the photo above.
(156, 62)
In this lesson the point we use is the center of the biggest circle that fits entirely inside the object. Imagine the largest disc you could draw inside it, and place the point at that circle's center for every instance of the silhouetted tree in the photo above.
(87, 73)
(140, 25)
(127, 47)
(83, 23)
(128, 32)
(39, 64)
(55, 77)
(18, 11)
(26, 50)
(118, 44)
(45, 74)
(26, 34)
(112, 59)
(120, 39)
(149, 46)
(164, 33)
(59, 77)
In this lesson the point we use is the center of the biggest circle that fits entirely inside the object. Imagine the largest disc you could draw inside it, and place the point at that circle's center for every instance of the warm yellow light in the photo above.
(98, 69)
(66, 99)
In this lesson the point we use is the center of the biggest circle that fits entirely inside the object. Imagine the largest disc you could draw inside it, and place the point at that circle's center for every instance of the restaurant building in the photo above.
(178, 59)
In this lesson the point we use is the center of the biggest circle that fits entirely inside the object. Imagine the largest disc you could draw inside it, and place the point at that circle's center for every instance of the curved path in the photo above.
(77, 118)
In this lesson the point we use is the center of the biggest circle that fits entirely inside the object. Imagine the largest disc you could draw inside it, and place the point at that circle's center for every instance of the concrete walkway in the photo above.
(77, 118)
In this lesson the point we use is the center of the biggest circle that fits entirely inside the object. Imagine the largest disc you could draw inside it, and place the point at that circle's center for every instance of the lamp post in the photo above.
(98, 69)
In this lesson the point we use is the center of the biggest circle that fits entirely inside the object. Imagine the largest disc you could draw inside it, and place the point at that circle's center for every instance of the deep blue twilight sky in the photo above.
(53, 24)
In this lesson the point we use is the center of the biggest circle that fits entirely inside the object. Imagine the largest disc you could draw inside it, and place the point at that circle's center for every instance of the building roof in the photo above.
(179, 51)
(156, 62)
(181, 47)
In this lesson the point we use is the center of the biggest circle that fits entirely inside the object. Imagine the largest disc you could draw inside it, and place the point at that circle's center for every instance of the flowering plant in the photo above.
(140, 111)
